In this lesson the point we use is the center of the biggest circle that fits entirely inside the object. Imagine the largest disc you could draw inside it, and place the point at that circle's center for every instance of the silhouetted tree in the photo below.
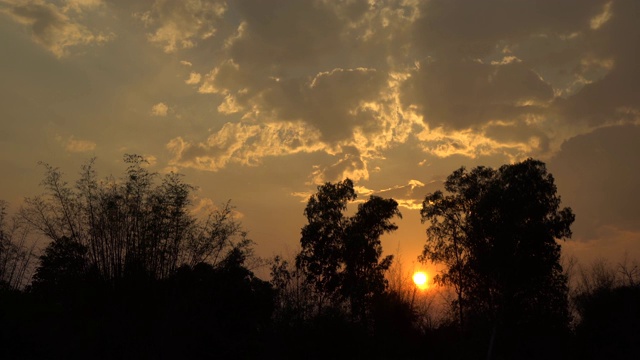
(607, 303)
(396, 332)
(15, 256)
(15, 272)
(131, 225)
(131, 271)
(62, 267)
(496, 233)
(222, 311)
(293, 296)
(341, 255)
(609, 324)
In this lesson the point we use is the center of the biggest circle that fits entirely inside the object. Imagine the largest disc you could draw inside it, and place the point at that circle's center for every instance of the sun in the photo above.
(420, 279)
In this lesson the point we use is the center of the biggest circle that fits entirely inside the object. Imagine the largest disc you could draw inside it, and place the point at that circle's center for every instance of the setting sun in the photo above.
(420, 279)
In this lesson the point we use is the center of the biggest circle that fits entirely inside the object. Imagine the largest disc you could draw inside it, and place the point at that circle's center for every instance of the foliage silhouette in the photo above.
(131, 272)
(62, 266)
(341, 256)
(496, 233)
(15, 256)
(607, 303)
(609, 323)
(131, 225)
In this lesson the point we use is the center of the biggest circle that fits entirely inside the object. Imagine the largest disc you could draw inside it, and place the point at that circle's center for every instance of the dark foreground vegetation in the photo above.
(131, 272)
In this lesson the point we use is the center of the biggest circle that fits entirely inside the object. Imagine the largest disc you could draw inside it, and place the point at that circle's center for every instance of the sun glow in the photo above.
(420, 279)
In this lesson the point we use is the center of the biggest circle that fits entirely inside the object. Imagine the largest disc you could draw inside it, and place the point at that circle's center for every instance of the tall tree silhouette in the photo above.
(341, 255)
(496, 233)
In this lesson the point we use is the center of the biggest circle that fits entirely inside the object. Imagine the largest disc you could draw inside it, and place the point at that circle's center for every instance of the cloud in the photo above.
(468, 29)
(180, 24)
(194, 78)
(152, 160)
(245, 144)
(473, 144)
(524, 79)
(83, 5)
(597, 175)
(563, 33)
(280, 71)
(348, 107)
(613, 97)
(466, 94)
(78, 146)
(609, 243)
(159, 109)
(599, 20)
(408, 196)
(290, 32)
(349, 91)
(351, 164)
(449, 77)
(284, 69)
(55, 28)
(302, 195)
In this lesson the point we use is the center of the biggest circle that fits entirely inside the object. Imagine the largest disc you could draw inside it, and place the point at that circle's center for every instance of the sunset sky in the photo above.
(261, 101)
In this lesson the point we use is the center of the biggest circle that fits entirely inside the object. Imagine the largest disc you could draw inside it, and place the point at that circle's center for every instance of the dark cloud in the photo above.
(598, 177)
(469, 29)
(345, 89)
(285, 34)
(464, 94)
(614, 98)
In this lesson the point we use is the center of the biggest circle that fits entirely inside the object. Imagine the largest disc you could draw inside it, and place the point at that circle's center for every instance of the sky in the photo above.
(259, 102)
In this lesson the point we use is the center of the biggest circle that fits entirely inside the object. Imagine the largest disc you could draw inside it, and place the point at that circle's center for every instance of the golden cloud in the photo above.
(244, 144)
(194, 78)
(55, 28)
(180, 24)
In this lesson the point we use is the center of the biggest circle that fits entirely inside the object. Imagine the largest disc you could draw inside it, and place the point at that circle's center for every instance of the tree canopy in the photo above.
(341, 255)
(496, 231)
(132, 224)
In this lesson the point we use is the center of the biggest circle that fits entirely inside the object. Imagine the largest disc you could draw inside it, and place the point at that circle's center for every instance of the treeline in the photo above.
(130, 271)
